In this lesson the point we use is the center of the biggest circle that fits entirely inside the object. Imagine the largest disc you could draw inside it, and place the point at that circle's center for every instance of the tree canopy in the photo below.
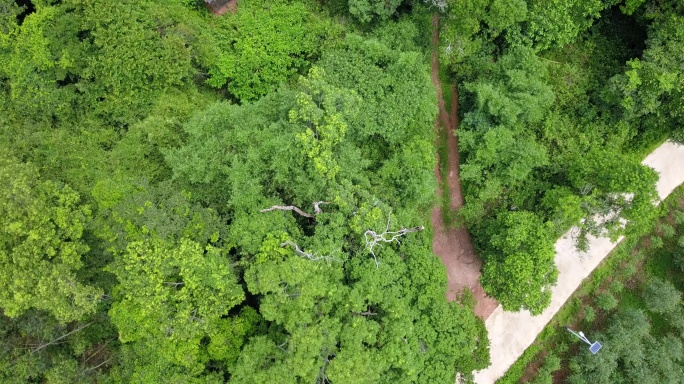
(187, 197)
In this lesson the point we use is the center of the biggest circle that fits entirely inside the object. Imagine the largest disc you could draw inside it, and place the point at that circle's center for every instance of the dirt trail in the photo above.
(454, 246)
(218, 9)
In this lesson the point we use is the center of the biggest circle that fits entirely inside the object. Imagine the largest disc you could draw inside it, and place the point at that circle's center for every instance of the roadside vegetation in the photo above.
(632, 304)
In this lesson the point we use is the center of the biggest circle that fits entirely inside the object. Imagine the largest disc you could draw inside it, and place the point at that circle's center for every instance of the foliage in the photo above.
(332, 311)
(628, 342)
(36, 346)
(272, 41)
(519, 268)
(632, 356)
(615, 188)
(606, 301)
(142, 139)
(589, 314)
(367, 10)
(171, 296)
(661, 296)
(111, 59)
(551, 364)
(557, 22)
(651, 83)
(499, 153)
(41, 250)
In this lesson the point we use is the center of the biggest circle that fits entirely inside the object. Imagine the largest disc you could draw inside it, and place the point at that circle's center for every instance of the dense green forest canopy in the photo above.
(245, 198)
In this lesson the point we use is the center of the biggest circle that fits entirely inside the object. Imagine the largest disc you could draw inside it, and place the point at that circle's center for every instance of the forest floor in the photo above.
(454, 245)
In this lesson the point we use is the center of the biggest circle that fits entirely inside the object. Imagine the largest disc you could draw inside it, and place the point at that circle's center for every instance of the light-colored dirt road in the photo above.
(454, 245)
(510, 333)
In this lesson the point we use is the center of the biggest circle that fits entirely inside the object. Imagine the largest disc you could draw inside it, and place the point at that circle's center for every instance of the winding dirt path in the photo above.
(454, 245)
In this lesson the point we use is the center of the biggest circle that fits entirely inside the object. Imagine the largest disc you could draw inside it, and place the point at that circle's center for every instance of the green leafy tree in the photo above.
(33, 62)
(388, 125)
(41, 250)
(98, 58)
(519, 263)
(37, 347)
(651, 85)
(499, 152)
(558, 22)
(606, 301)
(175, 282)
(661, 296)
(171, 296)
(272, 42)
(333, 313)
(552, 363)
(613, 187)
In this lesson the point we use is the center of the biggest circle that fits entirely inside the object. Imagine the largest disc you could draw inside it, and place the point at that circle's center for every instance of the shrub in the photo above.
(616, 287)
(667, 230)
(678, 258)
(680, 242)
(629, 270)
(589, 314)
(606, 301)
(679, 217)
(656, 242)
(552, 363)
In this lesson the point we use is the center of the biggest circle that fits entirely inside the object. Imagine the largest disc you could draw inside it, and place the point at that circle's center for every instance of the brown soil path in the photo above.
(219, 9)
(454, 245)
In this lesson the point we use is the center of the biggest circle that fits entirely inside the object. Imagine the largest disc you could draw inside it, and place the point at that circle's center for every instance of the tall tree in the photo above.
(519, 265)
(273, 41)
(41, 251)
(171, 296)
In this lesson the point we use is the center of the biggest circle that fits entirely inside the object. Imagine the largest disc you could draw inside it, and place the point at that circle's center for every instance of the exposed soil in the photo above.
(454, 245)
(230, 6)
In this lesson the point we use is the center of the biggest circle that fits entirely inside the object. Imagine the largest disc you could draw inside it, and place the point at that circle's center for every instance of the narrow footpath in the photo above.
(454, 245)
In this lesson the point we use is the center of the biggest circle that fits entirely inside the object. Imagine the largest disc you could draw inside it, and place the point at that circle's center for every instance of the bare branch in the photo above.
(367, 313)
(316, 206)
(305, 254)
(102, 347)
(322, 378)
(55, 341)
(99, 365)
(440, 4)
(282, 346)
(288, 208)
(373, 238)
(174, 284)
